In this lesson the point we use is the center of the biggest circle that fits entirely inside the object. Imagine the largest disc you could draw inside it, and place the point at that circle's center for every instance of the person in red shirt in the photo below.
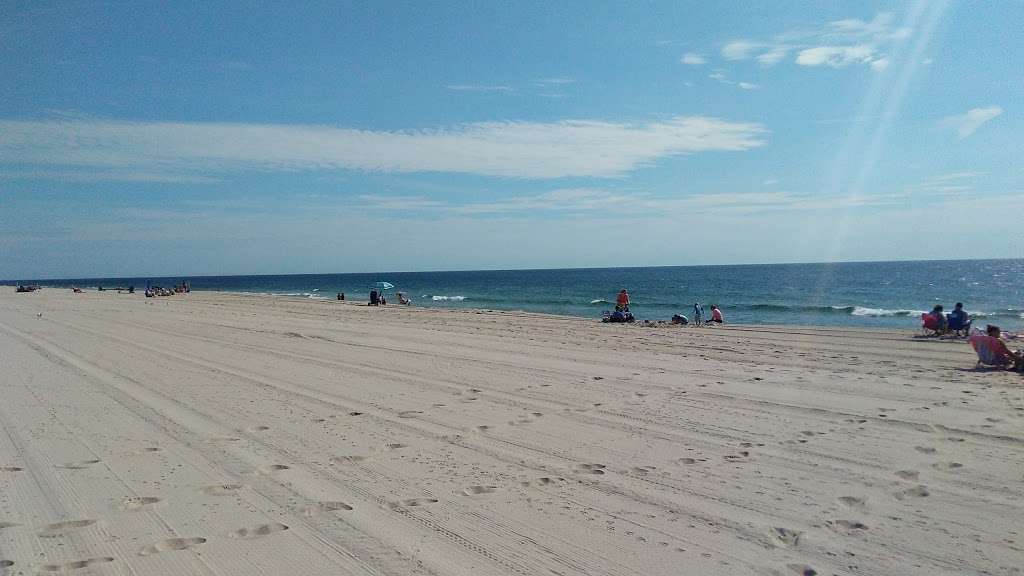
(622, 301)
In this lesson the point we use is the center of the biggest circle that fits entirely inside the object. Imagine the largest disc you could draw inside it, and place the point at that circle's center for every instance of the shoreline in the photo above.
(215, 432)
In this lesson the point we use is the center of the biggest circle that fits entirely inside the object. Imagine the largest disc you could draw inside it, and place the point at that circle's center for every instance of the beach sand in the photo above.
(228, 434)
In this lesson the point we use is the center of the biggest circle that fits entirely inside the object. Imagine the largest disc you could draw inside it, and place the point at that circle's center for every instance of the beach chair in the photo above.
(930, 325)
(957, 327)
(989, 351)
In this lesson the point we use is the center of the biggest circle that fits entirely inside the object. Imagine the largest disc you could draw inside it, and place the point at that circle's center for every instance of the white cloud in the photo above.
(692, 59)
(748, 85)
(835, 56)
(967, 124)
(569, 148)
(773, 56)
(837, 44)
(740, 49)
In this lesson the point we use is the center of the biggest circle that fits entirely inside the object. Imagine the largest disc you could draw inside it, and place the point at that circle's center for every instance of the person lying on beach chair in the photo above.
(992, 351)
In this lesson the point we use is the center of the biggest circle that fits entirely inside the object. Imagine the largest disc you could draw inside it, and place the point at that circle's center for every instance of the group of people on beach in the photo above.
(622, 307)
(957, 322)
(990, 345)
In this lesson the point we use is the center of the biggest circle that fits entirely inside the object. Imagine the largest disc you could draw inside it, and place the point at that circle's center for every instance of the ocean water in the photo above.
(877, 294)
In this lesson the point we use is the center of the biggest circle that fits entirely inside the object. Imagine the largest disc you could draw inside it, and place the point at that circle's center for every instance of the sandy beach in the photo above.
(227, 434)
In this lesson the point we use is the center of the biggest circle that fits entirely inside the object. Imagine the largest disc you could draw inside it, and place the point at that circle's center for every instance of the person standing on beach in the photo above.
(698, 313)
(622, 301)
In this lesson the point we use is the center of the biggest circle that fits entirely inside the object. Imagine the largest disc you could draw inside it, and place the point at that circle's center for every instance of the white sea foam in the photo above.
(447, 298)
(862, 311)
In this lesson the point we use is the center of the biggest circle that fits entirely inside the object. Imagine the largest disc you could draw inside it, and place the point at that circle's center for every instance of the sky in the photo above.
(213, 138)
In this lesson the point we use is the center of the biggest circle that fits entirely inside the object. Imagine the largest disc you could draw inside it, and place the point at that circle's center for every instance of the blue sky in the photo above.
(206, 138)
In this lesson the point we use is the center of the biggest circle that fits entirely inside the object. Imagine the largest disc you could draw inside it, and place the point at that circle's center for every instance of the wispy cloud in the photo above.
(623, 203)
(510, 149)
(721, 78)
(955, 183)
(105, 176)
(968, 123)
(836, 44)
(557, 81)
(692, 59)
(479, 88)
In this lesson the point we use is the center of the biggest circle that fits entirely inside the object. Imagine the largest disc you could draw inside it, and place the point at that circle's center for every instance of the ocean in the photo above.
(875, 294)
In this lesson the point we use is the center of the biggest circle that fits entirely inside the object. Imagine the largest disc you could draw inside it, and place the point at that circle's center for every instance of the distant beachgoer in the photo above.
(680, 319)
(341, 295)
(958, 320)
(698, 313)
(403, 300)
(942, 325)
(716, 315)
(374, 298)
(622, 301)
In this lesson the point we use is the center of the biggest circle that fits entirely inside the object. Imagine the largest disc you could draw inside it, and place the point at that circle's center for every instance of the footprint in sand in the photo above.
(545, 481)
(476, 490)
(395, 446)
(409, 413)
(257, 531)
(907, 474)
(925, 449)
(221, 489)
(355, 413)
(591, 468)
(62, 528)
(947, 465)
(846, 525)
(349, 459)
(6, 563)
(915, 492)
(786, 536)
(170, 545)
(411, 503)
(5, 525)
(138, 502)
(10, 469)
(73, 565)
(259, 428)
(852, 501)
(802, 569)
(643, 470)
(325, 507)
(272, 468)
(79, 465)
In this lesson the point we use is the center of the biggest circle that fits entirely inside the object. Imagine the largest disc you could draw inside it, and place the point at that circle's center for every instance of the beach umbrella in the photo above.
(383, 285)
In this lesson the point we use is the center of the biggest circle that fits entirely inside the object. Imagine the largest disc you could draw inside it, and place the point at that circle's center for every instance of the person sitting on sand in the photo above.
(958, 320)
(716, 315)
(941, 324)
(622, 301)
(999, 348)
(403, 300)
